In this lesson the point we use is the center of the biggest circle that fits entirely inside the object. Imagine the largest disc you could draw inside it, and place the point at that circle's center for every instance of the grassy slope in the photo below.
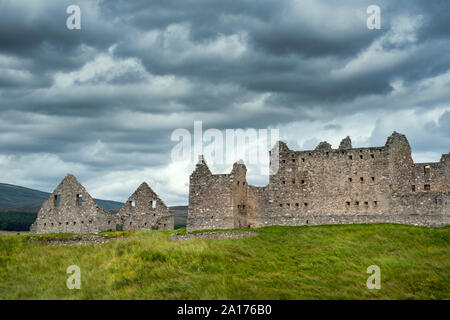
(323, 262)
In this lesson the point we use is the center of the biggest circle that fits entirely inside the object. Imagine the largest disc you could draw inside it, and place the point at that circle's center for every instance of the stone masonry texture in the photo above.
(145, 210)
(70, 209)
(325, 186)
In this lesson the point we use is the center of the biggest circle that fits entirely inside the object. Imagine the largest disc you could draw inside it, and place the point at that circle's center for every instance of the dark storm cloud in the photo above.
(29, 28)
(280, 48)
(280, 45)
(202, 14)
(35, 33)
(268, 23)
(106, 98)
(442, 127)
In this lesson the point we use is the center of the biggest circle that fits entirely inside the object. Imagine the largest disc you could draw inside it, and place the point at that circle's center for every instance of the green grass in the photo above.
(323, 262)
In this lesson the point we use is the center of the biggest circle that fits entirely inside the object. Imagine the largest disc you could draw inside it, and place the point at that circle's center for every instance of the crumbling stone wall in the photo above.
(432, 176)
(145, 210)
(71, 209)
(217, 201)
(346, 143)
(325, 185)
(328, 182)
(239, 195)
(401, 164)
(258, 202)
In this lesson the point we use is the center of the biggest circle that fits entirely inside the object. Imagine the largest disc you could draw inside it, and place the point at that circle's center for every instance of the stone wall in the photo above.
(258, 202)
(325, 185)
(333, 181)
(239, 195)
(71, 209)
(436, 220)
(420, 203)
(210, 199)
(144, 210)
(435, 175)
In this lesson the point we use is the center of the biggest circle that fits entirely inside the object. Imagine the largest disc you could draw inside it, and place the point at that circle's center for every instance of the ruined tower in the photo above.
(217, 200)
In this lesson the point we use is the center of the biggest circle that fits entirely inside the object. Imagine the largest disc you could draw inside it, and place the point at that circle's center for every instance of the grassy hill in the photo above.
(320, 262)
(23, 199)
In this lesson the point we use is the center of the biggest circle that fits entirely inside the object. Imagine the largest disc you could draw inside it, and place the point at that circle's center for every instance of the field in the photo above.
(320, 262)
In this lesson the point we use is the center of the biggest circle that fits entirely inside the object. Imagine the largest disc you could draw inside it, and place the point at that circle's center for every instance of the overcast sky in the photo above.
(103, 101)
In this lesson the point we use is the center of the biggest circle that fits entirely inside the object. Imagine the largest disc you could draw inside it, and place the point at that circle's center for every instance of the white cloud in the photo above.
(371, 129)
(377, 57)
(38, 171)
(103, 67)
(170, 182)
(175, 45)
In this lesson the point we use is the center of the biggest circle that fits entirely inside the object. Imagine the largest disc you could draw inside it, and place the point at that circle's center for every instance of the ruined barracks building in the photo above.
(145, 210)
(70, 208)
(321, 186)
(325, 186)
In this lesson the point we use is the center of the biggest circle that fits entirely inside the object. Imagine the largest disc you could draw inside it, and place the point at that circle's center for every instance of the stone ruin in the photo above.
(71, 209)
(217, 201)
(311, 187)
(325, 186)
(145, 210)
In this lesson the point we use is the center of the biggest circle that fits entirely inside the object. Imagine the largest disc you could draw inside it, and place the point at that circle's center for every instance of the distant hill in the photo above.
(181, 208)
(180, 216)
(16, 198)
